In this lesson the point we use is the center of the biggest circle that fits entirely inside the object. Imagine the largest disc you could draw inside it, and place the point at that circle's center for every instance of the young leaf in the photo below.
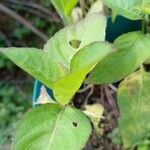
(37, 63)
(83, 61)
(65, 88)
(134, 104)
(64, 7)
(86, 31)
(133, 50)
(51, 127)
(125, 8)
(91, 53)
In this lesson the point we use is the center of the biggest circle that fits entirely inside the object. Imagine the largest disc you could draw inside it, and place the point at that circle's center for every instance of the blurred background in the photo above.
(23, 23)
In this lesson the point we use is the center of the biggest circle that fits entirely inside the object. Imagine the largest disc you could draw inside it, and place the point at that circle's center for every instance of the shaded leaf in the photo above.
(134, 104)
(115, 136)
(133, 50)
(51, 127)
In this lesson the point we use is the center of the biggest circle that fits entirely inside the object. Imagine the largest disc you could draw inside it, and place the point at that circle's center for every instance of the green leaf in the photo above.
(126, 8)
(65, 88)
(145, 7)
(83, 61)
(133, 50)
(115, 136)
(91, 53)
(86, 31)
(64, 8)
(134, 104)
(52, 66)
(37, 63)
(51, 127)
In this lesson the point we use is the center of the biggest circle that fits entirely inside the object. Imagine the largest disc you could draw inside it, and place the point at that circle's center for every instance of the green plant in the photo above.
(63, 64)
(12, 106)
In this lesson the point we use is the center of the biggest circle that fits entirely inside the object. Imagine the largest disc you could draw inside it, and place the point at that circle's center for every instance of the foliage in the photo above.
(57, 66)
(132, 9)
(50, 131)
(64, 63)
(12, 106)
(64, 8)
(134, 121)
(125, 60)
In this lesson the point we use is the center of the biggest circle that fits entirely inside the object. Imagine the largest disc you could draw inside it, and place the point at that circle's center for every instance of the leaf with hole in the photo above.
(68, 41)
(134, 104)
(51, 127)
(83, 61)
(53, 66)
(133, 50)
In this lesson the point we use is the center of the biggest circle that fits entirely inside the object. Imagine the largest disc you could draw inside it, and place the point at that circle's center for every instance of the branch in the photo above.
(23, 21)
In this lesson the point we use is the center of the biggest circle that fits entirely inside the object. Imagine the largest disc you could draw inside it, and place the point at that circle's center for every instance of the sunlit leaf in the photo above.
(134, 104)
(145, 7)
(64, 7)
(36, 62)
(126, 8)
(91, 53)
(52, 66)
(86, 31)
(133, 50)
(81, 64)
(51, 127)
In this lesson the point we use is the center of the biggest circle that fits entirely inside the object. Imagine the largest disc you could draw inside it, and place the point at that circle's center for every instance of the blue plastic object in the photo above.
(121, 26)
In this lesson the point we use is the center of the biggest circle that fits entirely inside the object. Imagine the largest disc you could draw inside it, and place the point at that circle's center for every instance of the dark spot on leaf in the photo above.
(75, 43)
(75, 124)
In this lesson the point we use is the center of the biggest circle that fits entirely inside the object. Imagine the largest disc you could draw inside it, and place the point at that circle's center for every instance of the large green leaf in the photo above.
(64, 7)
(126, 8)
(133, 50)
(51, 127)
(61, 45)
(36, 62)
(134, 104)
(83, 61)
